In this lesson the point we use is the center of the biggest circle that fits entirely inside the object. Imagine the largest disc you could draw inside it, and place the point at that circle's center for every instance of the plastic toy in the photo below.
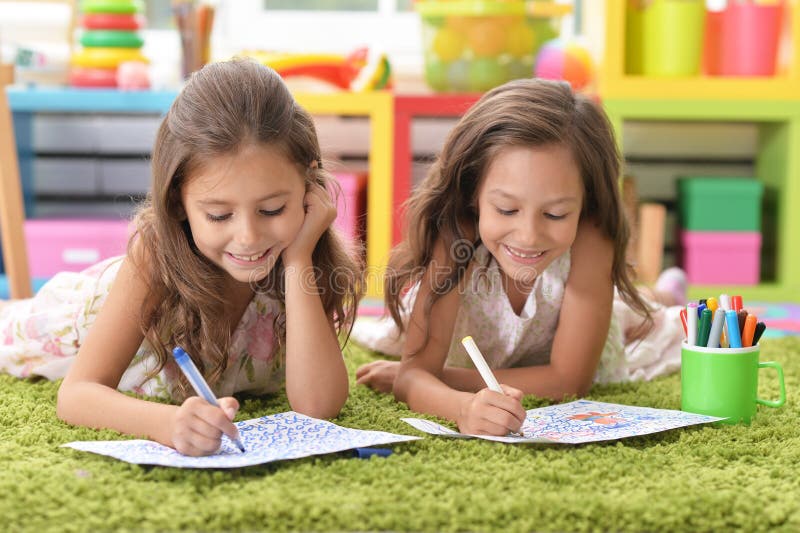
(93, 77)
(122, 7)
(111, 39)
(106, 57)
(565, 60)
(358, 71)
(133, 75)
(112, 21)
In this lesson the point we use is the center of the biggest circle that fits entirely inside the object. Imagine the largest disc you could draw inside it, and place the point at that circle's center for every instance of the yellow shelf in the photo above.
(379, 108)
(615, 83)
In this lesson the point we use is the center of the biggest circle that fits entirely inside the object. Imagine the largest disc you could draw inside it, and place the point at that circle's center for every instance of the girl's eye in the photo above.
(217, 218)
(506, 212)
(273, 213)
(555, 217)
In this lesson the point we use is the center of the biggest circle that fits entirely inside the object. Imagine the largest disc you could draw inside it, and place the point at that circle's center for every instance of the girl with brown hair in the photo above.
(517, 238)
(233, 259)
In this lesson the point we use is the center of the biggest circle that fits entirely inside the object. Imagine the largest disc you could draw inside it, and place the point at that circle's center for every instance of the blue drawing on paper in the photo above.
(270, 438)
(582, 421)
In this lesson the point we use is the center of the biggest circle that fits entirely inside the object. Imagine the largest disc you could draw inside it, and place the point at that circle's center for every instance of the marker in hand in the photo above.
(198, 383)
(480, 363)
(484, 370)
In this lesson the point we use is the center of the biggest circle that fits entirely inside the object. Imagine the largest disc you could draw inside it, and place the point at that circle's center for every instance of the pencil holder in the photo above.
(724, 382)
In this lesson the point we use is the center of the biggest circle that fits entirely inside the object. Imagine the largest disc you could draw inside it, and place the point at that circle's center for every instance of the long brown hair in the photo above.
(222, 108)
(529, 112)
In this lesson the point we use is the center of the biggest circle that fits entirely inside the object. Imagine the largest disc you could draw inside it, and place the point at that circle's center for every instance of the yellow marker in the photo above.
(712, 304)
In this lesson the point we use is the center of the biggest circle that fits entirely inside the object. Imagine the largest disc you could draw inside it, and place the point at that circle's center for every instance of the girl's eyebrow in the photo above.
(215, 201)
(562, 200)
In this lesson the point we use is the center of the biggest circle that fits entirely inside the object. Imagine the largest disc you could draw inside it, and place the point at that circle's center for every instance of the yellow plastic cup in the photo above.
(664, 38)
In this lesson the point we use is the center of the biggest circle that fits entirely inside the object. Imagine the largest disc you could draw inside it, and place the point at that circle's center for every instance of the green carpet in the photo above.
(697, 479)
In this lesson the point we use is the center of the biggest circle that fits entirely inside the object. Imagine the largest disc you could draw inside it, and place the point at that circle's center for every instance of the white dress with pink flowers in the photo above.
(40, 336)
(507, 339)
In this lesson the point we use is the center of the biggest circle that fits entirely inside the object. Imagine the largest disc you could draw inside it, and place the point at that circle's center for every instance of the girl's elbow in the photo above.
(63, 401)
(319, 407)
(400, 386)
(576, 388)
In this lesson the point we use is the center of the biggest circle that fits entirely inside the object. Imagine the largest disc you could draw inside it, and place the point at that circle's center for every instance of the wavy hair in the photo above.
(528, 112)
(224, 107)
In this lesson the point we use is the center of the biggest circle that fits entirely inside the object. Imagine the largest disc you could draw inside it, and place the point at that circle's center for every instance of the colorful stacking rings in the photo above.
(122, 7)
(106, 57)
(111, 39)
(112, 21)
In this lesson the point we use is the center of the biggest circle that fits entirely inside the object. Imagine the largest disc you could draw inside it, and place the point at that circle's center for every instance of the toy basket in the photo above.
(472, 46)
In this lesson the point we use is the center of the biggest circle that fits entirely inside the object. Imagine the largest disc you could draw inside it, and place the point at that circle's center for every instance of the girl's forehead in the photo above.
(533, 169)
(262, 166)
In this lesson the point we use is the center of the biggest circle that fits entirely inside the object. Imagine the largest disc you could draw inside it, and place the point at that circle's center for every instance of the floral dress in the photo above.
(508, 339)
(40, 336)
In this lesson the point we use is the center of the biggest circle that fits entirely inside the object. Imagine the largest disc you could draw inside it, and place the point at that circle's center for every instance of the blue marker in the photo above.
(734, 337)
(198, 383)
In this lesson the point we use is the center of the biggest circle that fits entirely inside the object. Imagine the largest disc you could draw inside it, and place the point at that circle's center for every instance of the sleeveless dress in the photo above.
(510, 340)
(40, 336)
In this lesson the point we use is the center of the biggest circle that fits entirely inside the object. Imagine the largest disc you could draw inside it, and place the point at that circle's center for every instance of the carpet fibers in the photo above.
(703, 478)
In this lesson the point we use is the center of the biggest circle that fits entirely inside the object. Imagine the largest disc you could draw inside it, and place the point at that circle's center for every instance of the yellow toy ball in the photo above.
(448, 44)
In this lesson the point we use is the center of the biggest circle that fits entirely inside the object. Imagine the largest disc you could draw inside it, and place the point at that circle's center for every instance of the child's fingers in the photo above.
(203, 444)
(230, 405)
(213, 421)
(364, 370)
(509, 412)
(511, 391)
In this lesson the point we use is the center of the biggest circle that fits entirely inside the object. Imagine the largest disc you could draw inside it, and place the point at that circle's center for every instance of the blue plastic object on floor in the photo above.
(366, 453)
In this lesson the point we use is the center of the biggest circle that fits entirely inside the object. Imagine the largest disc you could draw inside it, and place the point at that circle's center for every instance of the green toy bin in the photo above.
(475, 45)
(720, 204)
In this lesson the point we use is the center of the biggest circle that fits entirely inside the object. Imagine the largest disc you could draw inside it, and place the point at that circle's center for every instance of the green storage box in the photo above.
(720, 204)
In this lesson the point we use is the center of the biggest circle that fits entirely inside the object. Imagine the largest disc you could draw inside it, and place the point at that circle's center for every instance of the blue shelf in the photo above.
(36, 99)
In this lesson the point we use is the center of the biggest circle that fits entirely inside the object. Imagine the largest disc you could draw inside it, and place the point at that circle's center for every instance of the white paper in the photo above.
(582, 421)
(270, 438)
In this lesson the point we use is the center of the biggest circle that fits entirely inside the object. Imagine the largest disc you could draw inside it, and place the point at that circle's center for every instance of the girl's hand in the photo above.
(492, 413)
(378, 375)
(197, 426)
(320, 213)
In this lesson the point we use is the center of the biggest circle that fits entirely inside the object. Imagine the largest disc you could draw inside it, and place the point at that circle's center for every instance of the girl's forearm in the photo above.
(425, 393)
(544, 381)
(316, 377)
(98, 406)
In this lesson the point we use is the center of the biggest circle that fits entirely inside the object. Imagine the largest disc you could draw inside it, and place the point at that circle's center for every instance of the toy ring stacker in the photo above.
(122, 7)
(106, 57)
(111, 39)
(93, 77)
(112, 21)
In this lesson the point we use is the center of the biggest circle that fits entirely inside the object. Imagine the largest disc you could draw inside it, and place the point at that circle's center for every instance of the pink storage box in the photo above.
(72, 245)
(722, 257)
(351, 204)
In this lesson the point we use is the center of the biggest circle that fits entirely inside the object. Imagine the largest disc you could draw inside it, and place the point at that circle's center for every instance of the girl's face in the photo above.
(529, 204)
(244, 209)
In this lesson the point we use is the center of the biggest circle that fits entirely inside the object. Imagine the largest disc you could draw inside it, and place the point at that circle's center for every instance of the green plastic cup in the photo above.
(724, 382)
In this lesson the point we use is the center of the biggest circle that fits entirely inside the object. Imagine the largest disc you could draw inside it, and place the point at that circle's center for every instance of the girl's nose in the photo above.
(528, 233)
(247, 231)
